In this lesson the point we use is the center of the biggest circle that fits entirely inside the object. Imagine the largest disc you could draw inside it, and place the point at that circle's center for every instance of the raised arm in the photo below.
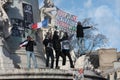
(87, 27)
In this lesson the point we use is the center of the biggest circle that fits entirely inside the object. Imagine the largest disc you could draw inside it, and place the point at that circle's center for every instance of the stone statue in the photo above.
(48, 11)
(4, 33)
(5, 25)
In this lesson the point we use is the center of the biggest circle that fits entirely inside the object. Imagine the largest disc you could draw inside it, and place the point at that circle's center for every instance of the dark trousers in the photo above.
(67, 53)
(49, 54)
(58, 54)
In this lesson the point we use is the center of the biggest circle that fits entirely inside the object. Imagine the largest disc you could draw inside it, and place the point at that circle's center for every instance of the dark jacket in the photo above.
(30, 46)
(80, 33)
(65, 42)
(47, 42)
(56, 42)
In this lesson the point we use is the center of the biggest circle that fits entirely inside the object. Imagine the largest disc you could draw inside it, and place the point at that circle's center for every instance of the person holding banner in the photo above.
(57, 48)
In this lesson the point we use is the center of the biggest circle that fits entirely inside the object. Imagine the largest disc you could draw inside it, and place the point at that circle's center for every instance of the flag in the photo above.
(41, 24)
(23, 43)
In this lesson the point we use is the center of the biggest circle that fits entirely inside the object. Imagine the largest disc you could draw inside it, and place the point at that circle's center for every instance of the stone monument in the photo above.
(15, 19)
(48, 10)
(5, 26)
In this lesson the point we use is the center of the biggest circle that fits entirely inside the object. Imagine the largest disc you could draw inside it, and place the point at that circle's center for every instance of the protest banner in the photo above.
(66, 22)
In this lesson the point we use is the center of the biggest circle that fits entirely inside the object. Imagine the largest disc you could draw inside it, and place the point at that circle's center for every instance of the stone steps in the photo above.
(40, 74)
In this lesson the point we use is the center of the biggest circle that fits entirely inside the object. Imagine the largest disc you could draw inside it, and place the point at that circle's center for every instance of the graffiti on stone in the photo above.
(28, 14)
(18, 27)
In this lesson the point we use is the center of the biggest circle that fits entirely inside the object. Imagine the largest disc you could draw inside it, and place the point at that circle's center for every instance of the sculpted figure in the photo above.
(5, 25)
(49, 11)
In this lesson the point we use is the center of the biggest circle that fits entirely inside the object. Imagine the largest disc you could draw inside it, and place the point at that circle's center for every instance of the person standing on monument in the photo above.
(57, 48)
(80, 34)
(48, 49)
(66, 48)
(29, 46)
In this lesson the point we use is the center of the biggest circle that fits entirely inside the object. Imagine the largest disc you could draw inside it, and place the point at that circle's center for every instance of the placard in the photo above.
(65, 21)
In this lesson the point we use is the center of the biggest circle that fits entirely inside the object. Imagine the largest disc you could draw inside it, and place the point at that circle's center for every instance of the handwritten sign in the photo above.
(65, 21)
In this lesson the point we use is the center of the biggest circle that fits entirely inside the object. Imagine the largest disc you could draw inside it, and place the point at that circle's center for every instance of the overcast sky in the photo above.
(105, 13)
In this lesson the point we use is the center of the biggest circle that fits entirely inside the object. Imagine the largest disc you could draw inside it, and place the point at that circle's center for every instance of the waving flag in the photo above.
(23, 43)
(41, 24)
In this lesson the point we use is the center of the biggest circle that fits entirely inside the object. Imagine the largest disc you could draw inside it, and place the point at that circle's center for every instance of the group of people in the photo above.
(61, 46)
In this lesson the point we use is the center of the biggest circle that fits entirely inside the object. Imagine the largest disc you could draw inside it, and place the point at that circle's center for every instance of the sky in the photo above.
(105, 13)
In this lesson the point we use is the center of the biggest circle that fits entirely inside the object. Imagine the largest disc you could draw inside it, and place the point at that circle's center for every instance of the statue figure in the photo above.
(47, 11)
(5, 25)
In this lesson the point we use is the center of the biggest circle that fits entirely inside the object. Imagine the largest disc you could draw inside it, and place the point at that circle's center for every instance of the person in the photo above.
(29, 46)
(80, 34)
(66, 48)
(80, 28)
(57, 48)
(48, 48)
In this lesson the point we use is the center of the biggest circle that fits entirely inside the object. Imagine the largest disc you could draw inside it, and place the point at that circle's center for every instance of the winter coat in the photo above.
(79, 32)
(30, 46)
(56, 42)
(47, 42)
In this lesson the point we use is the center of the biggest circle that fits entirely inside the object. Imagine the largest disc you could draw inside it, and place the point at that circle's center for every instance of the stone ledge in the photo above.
(36, 74)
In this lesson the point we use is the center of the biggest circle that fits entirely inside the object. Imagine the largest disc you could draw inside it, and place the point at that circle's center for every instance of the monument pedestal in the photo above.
(20, 58)
(5, 61)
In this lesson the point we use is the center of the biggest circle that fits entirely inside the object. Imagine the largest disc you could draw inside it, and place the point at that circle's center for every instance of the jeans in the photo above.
(81, 45)
(30, 55)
